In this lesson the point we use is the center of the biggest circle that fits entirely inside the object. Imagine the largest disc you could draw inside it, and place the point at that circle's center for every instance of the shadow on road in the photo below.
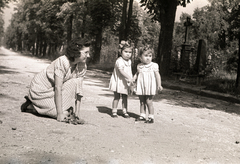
(106, 110)
(171, 97)
(30, 155)
(7, 70)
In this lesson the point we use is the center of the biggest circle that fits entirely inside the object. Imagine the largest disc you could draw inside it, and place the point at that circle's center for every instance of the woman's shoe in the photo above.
(25, 105)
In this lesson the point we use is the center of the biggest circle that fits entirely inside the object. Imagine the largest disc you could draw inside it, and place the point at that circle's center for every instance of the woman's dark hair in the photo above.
(75, 46)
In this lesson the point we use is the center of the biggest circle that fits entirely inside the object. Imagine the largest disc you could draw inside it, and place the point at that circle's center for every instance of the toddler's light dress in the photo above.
(118, 83)
(41, 91)
(146, 80)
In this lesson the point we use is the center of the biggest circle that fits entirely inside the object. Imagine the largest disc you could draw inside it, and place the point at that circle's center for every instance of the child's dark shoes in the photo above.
(114, 115)
(140, 119)
(149, 121)
(125, 115)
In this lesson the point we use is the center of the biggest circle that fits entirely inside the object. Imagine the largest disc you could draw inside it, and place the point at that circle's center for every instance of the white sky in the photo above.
(7, 14)
(188, 9)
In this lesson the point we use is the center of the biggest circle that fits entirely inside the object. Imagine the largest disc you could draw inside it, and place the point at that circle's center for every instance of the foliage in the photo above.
(1, 26)
(100, 13)
(220, 85)
(4, 3)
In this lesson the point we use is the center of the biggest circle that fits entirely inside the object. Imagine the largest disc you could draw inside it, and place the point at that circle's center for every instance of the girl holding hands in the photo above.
(148, 83)
(121, 78)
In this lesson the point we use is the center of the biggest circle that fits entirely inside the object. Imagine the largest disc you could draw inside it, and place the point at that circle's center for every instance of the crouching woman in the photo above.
(58, 88)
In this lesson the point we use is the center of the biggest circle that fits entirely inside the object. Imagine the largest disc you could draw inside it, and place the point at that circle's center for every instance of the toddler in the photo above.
(121, 78)
(148, 83)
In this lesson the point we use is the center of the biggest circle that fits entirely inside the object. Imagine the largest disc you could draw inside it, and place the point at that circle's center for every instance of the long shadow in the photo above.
(181, 98)
(39, 115)
(39, 156)
(8, 97)
(7, 70)
(108, 111)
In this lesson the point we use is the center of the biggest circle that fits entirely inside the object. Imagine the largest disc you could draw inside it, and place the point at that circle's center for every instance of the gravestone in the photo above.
(201, 60)
(186, 49)
(185, 58)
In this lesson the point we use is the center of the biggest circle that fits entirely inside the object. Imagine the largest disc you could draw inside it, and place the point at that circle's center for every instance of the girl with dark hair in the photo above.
(58, 88)
(121, 78)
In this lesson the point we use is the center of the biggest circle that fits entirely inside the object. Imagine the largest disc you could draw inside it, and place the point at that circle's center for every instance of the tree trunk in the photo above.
(41, 44)
(37, 45)
(69, 29)
(83, 25)
(128, 24)
(19, 41)
(167, 18)
(123, 21)
(97, 47)
(44, 48)
(33, 48)
(238, 70)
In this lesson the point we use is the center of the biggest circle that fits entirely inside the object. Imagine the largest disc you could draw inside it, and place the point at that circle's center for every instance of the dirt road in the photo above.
(188, 129)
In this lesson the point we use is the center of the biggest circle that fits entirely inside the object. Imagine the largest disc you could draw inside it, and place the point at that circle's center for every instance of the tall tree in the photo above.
(126, 20)
(1, 26)
(100, 12)
(234, 33)
(164, 11)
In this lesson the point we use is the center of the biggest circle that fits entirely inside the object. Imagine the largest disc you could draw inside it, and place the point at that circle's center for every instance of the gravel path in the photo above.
(188, 128)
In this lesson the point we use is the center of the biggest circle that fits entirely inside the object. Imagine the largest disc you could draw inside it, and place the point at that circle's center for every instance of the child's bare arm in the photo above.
(127, 77)
(135, 77)
(159, 82)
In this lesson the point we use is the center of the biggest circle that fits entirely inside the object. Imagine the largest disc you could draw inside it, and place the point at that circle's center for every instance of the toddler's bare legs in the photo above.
(150, 109)
(115, 104)
(124, 105)
(142, 104)
(142, 108)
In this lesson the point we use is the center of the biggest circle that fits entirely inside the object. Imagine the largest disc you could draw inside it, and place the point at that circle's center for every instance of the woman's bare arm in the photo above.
(58, 97)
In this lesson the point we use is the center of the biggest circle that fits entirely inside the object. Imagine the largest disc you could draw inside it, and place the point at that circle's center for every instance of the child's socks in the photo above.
(151, 116)
(114, 112)
(125, 114)
(142, 117)
(150, 119)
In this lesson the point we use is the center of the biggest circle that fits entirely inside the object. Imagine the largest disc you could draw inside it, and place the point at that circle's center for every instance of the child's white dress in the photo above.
(118, 82)
(146, 81)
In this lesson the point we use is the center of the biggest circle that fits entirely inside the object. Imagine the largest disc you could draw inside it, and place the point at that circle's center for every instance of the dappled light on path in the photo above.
(187, 129)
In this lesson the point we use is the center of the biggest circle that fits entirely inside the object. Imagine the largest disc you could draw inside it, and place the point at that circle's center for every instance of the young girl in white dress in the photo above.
(121, 78)
(148, 83)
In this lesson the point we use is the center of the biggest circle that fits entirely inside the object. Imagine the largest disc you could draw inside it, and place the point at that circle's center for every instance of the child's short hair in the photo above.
(144, 49)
